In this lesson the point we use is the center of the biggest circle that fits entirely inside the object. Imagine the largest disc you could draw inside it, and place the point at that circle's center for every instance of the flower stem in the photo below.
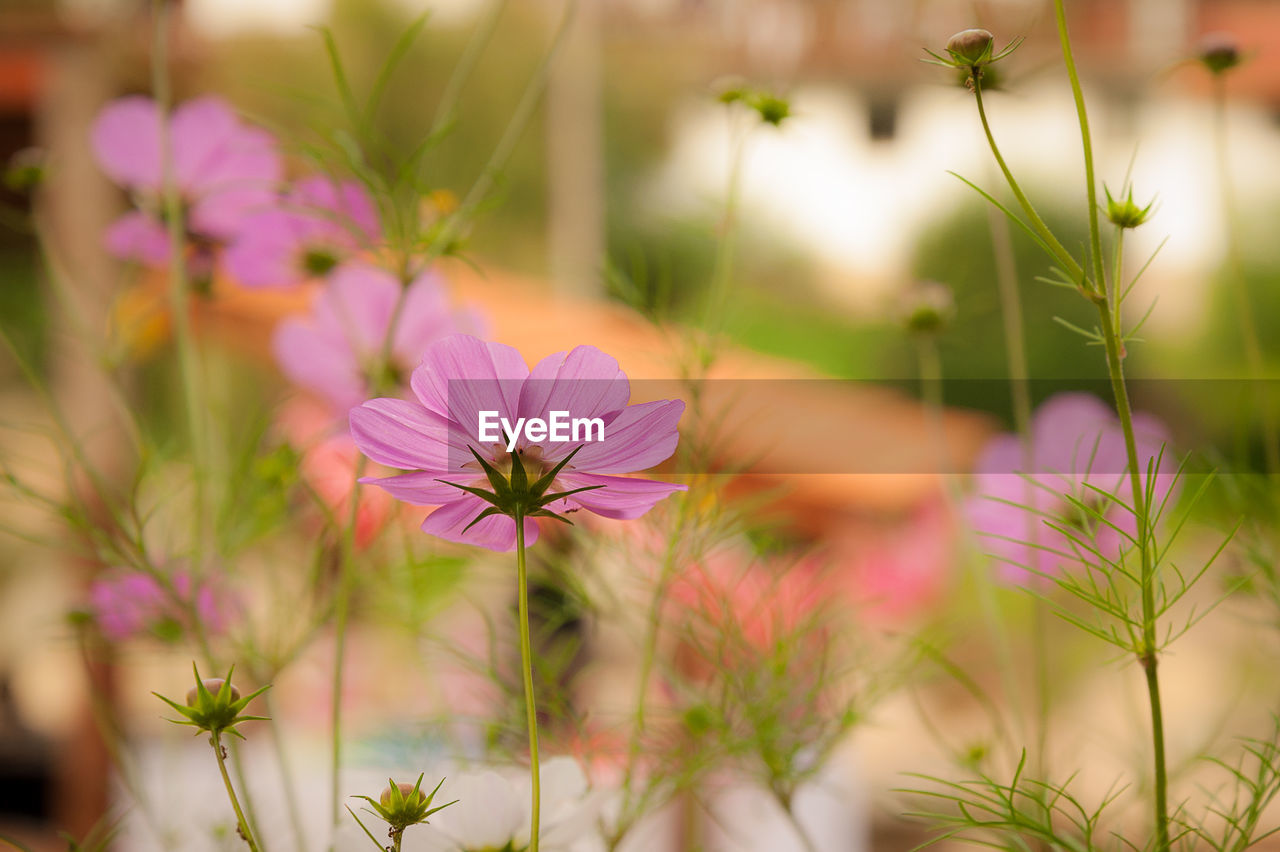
(526, 663)
(1037, 224)
(1147, 653)
(241, 824)
(192, 381)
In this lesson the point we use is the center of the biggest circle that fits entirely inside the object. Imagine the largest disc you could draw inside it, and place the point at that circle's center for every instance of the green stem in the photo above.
(1147, 656)
(1117, 283)
(1239, 284)
(1020, 394)
(530, 705)
(1091, 188)
(286, 775)
(1064, 257)
(241, 824)
(192, 384)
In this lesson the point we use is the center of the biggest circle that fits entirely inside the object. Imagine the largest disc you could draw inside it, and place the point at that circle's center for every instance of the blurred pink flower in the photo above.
(1077, 446)
(328, 463)
(131, 603)
(902, 569)
(311, 230)
(333, 351)
(222, 169)
(737, 612)
(435, 433)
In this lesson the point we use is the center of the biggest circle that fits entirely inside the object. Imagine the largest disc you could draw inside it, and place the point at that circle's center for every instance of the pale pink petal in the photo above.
(621, 498)
(199, 133)
(496, 532)
(318, 361)
(424, 488)
(585, 382)
(640, 437)
(358, 302)
(462, 375)
(126, 142)
(136, 236)
(264, 251)
(400, 434)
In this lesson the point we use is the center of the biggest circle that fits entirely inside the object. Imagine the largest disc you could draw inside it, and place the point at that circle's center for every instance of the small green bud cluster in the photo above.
(25, 170)
(928, 308)
(773, 109)
(1124, 212)
(1219, 53)
(214, 705)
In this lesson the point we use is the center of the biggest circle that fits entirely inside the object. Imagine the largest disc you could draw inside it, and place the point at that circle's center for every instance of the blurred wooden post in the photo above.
(79, 203)
(575, 156)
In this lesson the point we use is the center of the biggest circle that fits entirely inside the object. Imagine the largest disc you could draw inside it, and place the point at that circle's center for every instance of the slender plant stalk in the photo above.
(286, 777)
(1148, 655)
(192, 381)
(1239, 285)
(526, 664)
(1020, 394)
(1070, 266)
(241, 825)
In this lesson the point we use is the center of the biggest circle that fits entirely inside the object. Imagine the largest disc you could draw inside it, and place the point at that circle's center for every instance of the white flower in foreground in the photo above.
(492, 813)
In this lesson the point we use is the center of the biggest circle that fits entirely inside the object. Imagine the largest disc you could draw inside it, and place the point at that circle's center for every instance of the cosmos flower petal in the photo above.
(423, 487)
(137, 236)
(496, 532)
(400, 434)
(585, 382)
(640, 437)
(316, 359)
(126, 142)
(621, 498)
(462, 375)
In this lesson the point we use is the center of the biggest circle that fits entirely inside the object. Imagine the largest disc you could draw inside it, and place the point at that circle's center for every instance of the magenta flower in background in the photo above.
(223, 171)
(129, 604)
(304, 235)
(1077, 446)
(334, 350)
(435, 433)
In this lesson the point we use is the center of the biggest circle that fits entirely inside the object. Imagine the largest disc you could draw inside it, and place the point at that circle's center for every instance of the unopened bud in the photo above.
(928, 308)
(971, 47)
(213, 685)
(1219, 52)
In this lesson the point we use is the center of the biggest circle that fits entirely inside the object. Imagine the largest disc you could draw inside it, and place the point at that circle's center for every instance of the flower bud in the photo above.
(409, 794)
(1124, 213)
(403, 804)
(212, 685)
(928, 308)
(971, 47)
(26, 170)
(214, 705)
(1219, 52)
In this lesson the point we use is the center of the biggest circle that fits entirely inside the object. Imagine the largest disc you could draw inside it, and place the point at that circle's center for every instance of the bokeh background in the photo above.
(612, 205)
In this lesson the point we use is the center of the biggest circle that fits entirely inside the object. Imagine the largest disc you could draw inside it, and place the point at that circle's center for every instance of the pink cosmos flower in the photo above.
(435, 434)
(335, 349)
(900, 570)
(222, 169)
(1077, 446)
(739, 612)
(129, 604)
(304, 235)
(328, 462)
